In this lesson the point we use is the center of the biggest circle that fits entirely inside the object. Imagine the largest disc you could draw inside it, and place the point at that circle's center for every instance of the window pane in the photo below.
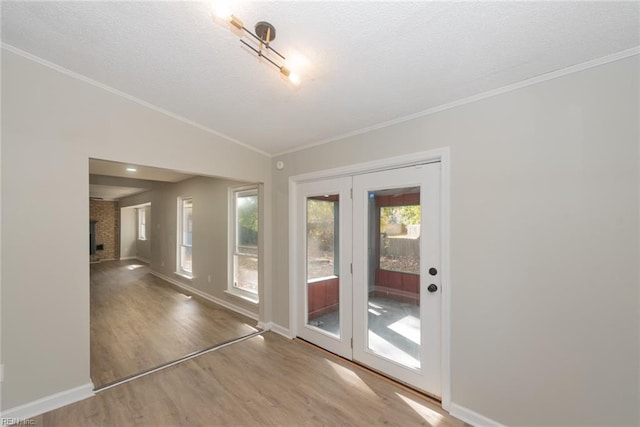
(142, 232)
(187, 222)
(323, 285)
(400, 238)
(186, 235)
(393, 301)
(247, 224)
(244, 251)
(321, 237)
(185, 258)
(246, 273)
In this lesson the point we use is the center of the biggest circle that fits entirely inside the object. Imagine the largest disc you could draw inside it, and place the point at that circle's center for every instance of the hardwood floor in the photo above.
(266, 380)
(139, 321)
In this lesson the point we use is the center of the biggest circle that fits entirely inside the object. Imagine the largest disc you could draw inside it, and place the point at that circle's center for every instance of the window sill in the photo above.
(184, 275)
(249, 298)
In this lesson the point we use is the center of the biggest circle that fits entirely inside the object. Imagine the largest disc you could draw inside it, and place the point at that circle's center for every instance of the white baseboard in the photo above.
(206, 296)
(146, 261)
(265, 326)
(472, 417)
(280, 330)
(46, 404)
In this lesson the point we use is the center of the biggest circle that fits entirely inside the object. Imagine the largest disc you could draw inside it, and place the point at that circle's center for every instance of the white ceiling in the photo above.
(111, 192)
(107, 168)
(369, 62)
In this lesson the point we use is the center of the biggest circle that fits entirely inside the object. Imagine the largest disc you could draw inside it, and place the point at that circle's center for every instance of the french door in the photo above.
(324, 252)
(368, 285)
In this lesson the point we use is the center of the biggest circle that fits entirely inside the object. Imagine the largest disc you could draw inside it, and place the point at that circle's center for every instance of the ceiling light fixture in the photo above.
(264, 34)
(131, 169)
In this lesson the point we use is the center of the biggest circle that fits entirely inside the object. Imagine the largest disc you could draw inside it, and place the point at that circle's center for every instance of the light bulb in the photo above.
(296, 61)
(221, 11)
(294, 78)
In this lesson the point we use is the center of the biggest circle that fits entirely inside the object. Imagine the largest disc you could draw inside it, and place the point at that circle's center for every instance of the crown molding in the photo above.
(125, 95)
(488, 94)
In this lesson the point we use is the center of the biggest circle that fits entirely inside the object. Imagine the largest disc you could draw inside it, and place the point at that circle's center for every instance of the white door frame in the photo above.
(443, 156)
(340, 344)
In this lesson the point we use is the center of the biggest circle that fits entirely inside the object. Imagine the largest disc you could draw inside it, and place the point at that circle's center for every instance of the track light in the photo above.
(264, 34)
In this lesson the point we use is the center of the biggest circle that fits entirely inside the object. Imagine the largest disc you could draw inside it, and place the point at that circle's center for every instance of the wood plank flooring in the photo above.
(266, 380)
(139, 321)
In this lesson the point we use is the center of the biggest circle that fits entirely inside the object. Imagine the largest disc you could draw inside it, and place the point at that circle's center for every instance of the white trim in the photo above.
(185, 276)
(441, 155)
(265, 326)
(411, 159)
(206, 296)
(281, 330)
(114, 91)
(472, 417)
(49, 403)
(445, 276)
(488, 94)
(147, 261)
(243, 295)
(293, 251)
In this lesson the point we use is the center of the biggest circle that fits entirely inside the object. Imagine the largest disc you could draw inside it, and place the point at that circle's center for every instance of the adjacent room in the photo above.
(154, 234)
(320, 213)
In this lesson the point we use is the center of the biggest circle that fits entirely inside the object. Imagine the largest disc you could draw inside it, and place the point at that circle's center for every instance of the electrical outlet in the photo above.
(163, 263)
(1, 373)
(209, 278)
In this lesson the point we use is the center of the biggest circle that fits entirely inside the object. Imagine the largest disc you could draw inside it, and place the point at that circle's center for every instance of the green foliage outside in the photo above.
(320, 224)
(248, 220)
(405, 215)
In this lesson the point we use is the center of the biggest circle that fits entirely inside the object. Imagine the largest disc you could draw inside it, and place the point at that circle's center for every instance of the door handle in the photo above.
(432, 288)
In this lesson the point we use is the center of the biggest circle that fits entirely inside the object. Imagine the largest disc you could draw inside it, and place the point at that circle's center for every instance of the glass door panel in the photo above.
(323, 267)
(393, 298)
(323, 272)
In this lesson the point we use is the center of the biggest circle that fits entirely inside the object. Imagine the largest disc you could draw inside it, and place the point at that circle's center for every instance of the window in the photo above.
(400, 237)
(185, 235)
(322, 237)
(244, 243)
(142, 224)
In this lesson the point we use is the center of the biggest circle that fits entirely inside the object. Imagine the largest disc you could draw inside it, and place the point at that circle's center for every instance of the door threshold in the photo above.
(407, 387)
(176, 361)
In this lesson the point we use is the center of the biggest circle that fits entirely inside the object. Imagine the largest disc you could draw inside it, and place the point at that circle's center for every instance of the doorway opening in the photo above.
(163, 293)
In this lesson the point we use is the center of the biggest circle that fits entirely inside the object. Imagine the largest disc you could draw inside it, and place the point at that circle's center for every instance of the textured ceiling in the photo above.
(368, 62)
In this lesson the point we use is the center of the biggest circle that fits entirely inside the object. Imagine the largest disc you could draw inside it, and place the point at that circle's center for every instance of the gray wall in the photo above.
(544, 250)
(128, 230)
(54, 123)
